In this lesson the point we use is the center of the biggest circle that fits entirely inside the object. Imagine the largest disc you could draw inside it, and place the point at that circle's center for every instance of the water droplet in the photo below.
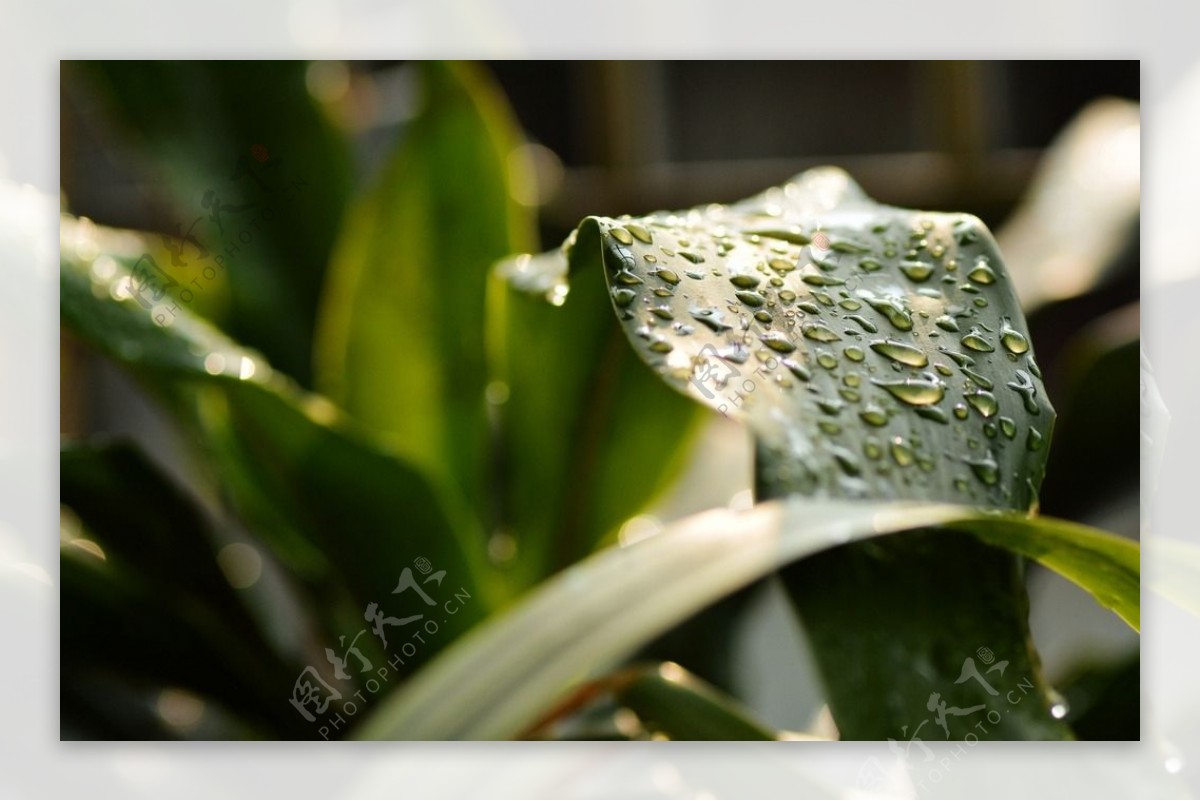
(694, 258)
(750, 298)
(960, 411)
(710, 318)
(946, 323)
(744, 281)
(818, 332)
(797, 369)
(851, 380)
(975, 340)
(827, 360)
(641, 233)
(830, 406)
(854, 353)
(846, 460)
(816, 279)
(617, 258)
(662, 312)
(1034, 440)
(1011, 338)
(913, 391)
(978, 378)
(623, 297)
(1008, 426)
(661, 346)
(650, 257)
(793, 234)
(900, 352)
(916, 271)
(873, 415)
(1033, 368)
(781, 265)
(849, 395)
(942, 369)
(829, 427)
(628, 278)
(901, 453)
(870, 265)
(763, 317)
(989, 430)
(1023, 386)
(983, 402)
(961, 359)
(849, 304)
(872, 449)
(985, 469)
(863, 323)
(777, 342)
(808, 306)
(787, 295)
(846, 246)
(934, 413)
(670, 276)
(735, 353)
(621, 235)
(894, 310)
(982, 272)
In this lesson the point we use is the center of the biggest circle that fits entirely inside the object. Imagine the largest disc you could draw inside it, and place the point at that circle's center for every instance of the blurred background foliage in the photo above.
(355, 211)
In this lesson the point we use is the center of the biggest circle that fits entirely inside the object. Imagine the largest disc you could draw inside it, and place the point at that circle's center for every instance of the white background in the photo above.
(35, 35)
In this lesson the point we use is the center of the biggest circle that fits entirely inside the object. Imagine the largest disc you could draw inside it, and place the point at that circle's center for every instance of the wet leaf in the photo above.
(875, 352)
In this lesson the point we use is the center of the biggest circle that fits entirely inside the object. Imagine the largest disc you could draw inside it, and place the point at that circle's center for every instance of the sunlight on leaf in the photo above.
(599, 611)
(875, 352)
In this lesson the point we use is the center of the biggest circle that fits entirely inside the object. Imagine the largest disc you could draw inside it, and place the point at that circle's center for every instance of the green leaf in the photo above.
(142, 595)
(309, 483)
(258, 178)
(671, 702)
(586, 434)
(875, 352)
(585, 620)
(401, 343)
(140, 518)
(1108, 567)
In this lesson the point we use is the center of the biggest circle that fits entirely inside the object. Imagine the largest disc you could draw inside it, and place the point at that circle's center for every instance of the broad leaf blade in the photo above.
(258, 179)
(1108, 567)
(599, 611)
(586, 434)
(314, 488)
(875, 352)
(401, 343)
